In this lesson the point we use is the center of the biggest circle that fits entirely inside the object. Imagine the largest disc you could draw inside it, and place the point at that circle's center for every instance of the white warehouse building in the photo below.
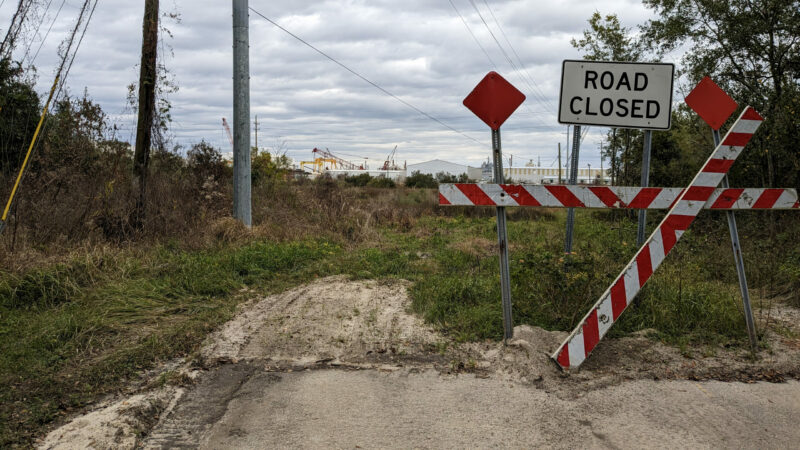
(439, 166)
(546, 175)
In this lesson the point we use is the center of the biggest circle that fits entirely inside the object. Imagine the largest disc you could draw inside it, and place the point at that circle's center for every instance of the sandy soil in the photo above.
(338, 328)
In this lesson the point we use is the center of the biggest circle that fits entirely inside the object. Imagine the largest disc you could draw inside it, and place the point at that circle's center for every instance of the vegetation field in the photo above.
(80, 326)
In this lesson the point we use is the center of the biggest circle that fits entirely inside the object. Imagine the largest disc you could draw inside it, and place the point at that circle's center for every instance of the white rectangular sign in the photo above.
(616, 94)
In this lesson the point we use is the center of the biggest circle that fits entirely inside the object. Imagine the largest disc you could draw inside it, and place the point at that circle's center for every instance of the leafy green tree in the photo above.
(607, 40)
(19, 115)
(265, 166)
(752, 49)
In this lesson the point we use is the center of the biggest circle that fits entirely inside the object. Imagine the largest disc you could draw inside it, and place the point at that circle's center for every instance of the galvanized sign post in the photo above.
(573, 180)
(619, 95)
(494, 100)
(648, 139)
(708, 93)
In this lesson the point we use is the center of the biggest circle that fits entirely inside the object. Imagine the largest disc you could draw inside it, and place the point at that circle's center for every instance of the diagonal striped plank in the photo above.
(619, 295)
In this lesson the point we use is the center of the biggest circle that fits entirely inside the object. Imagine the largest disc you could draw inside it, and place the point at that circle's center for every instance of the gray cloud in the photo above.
(419, 50)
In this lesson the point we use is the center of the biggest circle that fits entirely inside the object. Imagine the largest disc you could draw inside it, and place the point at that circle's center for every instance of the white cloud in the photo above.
(418, 50)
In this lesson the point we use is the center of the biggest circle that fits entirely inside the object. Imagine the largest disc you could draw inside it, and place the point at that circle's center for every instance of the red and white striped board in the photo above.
(608, 197)
(619, 295)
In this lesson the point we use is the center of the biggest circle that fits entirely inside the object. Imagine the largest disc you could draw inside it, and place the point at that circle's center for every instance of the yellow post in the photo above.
(27, 156)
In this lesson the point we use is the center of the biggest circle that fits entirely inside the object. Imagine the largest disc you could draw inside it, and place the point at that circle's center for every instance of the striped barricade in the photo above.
(616, 299)
(609, 197)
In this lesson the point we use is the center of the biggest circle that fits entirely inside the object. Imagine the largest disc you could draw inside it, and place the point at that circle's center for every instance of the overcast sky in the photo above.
(420, 51)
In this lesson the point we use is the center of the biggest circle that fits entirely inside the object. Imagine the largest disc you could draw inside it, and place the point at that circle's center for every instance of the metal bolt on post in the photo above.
(502, 238)
(737, 256)
(573, 180)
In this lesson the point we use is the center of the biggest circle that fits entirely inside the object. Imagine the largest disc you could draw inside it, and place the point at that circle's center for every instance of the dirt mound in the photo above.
(331, 320)
(335, 321)
(115, 425)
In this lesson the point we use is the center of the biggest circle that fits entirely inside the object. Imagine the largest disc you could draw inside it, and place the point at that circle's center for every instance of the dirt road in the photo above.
(341, 364)
(370, 409)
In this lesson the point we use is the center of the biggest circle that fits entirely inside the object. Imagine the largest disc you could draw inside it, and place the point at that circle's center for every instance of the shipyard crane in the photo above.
(339, 162)
(389, 164)
(228, 130)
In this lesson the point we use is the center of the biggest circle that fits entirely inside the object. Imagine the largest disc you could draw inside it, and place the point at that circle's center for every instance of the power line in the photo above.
(519, 60)
(537, 96)
(508, 58)
(473, 35)
(375, 85)
(36, 32)
(44, 39)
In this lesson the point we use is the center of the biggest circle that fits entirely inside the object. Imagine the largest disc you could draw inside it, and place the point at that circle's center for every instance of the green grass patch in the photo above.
(76, 330)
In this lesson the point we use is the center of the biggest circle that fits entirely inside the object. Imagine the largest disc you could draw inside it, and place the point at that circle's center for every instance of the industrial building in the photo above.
(437, 166)
(546, 175)
(530, 174)
(394, 175)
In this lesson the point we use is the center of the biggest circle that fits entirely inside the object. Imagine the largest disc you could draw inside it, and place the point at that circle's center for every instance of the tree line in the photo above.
(750, 49)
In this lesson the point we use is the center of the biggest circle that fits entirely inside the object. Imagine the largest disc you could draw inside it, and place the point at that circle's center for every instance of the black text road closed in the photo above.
(616, 94)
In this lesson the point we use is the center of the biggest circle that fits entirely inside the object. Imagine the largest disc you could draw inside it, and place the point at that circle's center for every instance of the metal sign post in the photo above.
(494, 100)
(619, 95)
(502, 239)
(648, 139)
(709, 93)
(573, 180)
(737, 256)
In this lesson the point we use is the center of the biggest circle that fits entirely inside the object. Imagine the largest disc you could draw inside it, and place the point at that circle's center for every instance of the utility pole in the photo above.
(256, 130)
(242, 204)
(602, 176)
(559, 163)
(147, 87)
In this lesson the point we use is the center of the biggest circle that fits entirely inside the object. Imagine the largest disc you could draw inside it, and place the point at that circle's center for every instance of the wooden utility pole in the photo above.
(147, 87)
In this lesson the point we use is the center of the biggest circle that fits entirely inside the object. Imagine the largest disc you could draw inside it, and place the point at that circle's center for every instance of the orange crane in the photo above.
(227, 130)
(389, 164)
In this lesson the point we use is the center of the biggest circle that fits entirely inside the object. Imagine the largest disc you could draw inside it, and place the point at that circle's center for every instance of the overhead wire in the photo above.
(519, 60)
(44, 39)
(36, 31)
(375, 85)
(473, 35)
(536, 97)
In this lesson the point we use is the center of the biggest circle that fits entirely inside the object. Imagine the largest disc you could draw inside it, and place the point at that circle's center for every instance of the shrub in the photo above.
(381, 182)
(359, 180)
(421, 180)
(443, 177)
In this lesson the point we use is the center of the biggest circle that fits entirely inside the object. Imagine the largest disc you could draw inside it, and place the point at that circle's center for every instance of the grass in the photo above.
(77, 329)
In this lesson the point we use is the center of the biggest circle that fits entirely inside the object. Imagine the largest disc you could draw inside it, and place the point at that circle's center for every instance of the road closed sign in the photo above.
(616, 94)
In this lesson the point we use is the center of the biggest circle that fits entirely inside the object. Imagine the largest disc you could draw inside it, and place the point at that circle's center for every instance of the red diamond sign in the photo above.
(494, 100)
(711, 103)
